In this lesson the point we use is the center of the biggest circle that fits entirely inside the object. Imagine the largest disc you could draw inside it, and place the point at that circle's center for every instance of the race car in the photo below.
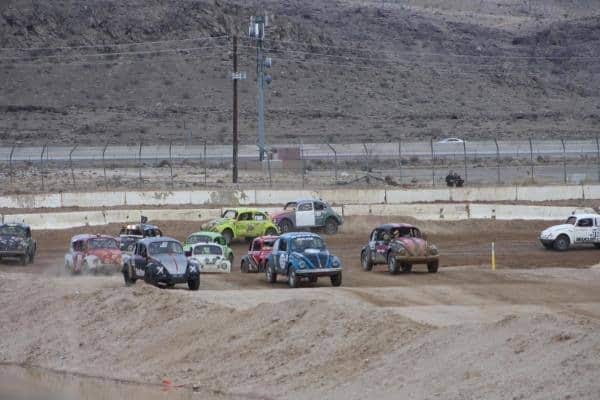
(399, 246)
(130, 234)
(256, 259)
(242, 223)
(302, 255)
(161, 261)
(307, 214)
(210, 257)
(577, 229)
(16, 242)
(208, 237)
(92, 254)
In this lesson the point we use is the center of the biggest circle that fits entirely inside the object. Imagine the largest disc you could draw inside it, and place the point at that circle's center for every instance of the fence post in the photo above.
(366, 156)
(71, 163)
(302, 159)
(140, 163)
(204, 162)
(531, 159)
(104, 165)
(497, 158)
(269, 156)
(400, 159)
(335, 169)
(171, 160)
(465, 153)
(432, 162)
(42, 163)
(598, 156)
(10, 163)
(562, 141)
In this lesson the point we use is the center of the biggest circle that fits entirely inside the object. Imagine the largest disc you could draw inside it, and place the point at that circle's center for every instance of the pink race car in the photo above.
(256, 259)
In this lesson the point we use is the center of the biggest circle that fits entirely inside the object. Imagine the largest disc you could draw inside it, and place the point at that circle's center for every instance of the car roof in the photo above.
(389, 227)
(15, 224)
(149, 240)
(142, 226)
(291, 235)
(86, 236)
(244, 209)
(206, 233)
(206, 244)
(584, 215)
(266, 237)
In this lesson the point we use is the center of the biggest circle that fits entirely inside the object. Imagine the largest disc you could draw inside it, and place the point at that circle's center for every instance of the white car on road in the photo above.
(210, 258)
(577, 229)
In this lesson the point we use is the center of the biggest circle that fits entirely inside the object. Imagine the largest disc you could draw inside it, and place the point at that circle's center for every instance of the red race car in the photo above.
(256, 259)
(93, 254)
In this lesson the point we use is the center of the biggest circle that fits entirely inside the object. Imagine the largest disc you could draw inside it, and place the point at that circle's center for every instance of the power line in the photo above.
(116, 62)
(111, 45)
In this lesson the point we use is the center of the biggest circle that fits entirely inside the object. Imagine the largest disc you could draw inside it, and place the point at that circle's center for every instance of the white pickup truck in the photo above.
(577, 229)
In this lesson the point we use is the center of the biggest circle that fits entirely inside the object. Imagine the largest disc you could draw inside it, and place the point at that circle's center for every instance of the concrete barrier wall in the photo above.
(225, 198)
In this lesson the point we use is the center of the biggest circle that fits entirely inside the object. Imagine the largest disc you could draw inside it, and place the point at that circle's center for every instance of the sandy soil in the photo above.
(526, 330)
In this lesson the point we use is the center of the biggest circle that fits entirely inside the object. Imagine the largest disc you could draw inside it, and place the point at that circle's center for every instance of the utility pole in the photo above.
(235, 76)
(257, 32)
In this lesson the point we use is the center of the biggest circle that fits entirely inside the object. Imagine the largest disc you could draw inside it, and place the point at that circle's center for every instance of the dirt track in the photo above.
(527, 331)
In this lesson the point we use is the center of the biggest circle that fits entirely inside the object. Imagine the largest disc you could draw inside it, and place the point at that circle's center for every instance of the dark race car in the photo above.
(161, 260)
(399, 246)
(16, 242)
(256, 259)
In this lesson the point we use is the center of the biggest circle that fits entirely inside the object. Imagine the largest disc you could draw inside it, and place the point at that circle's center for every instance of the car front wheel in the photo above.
(194, 283)
(562, 243)
(432, 266)
(270, 274)
(365, 260)
(392, 264)
(331, 226)
(293, 281)
(336, 280)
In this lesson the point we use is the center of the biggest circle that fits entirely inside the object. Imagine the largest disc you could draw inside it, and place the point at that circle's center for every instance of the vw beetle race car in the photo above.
(16, 242)
(302, 255)
(130, 234)
(242, 223)
(210, 257)
(161, 260)
(577, 229)
(399, 246)
(92, 254)
(307, 214)
(256, 259)
(208, 237)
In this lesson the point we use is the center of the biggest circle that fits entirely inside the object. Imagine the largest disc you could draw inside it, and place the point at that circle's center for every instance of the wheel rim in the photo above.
(268, 272)
(330, 227)
(292, 278)
(364, 260)
(392, 264)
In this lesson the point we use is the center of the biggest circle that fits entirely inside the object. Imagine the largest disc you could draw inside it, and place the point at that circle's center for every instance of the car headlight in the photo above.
(335, 263)
(433, 250)
(302, 265)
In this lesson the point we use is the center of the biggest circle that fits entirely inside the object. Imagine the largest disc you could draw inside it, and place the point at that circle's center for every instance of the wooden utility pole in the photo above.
(235, 109)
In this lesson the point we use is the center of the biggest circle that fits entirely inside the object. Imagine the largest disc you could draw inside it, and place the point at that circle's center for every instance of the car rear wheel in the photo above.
(562, 243)
(293, 281)
(129, 280)
(432, 266)
(392, 264)
(406, 267)
(365, 261)
(228, 236)
(23, 259)
(230, 258)
(271, 232)
(285, 226)
(194, 283)
(597, 245)
(331, 226)
(244, 266)
(336, 280)
(270, 274)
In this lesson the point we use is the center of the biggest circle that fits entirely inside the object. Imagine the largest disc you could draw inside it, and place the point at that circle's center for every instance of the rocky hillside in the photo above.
(91, 71)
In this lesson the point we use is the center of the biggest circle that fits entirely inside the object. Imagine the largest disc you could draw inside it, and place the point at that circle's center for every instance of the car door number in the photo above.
(283, 261)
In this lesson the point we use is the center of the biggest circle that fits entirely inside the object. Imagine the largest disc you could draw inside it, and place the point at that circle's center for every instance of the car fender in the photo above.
(286, 218)
(69, 260)
(334, 215)
(91, 260)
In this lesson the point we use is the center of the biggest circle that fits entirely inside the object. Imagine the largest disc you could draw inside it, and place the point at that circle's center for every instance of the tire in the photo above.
(392, 264)
(230, 258)
(32, 256)
(331, 226)
(432, 266)
(313, 279)
(262, 267)
(406, 267)
(85, 268)
(23, 259)
(293, 280)
(336, 280)
(244, 267)
(365, 261)
(227, 235)
(561, 243)
(194, 283)
(270, 274)
(271, 232)
(285, 226)
(129, 280)
(597, 245)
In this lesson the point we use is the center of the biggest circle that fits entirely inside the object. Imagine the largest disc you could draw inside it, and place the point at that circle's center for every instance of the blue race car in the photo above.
(302, 255)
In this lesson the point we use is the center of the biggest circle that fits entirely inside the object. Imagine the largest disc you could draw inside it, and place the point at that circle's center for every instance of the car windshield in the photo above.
(198, 239)
(571, 220)
(290, 206)
(165, 247)
(304, 243)
(131, 232)
(268, 244)
(12, 230)
(406, 232)
(207, 249)
(230, 214)
(102, 243)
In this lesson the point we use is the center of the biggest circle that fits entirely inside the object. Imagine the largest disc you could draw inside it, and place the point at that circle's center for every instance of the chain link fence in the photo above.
(196, 165)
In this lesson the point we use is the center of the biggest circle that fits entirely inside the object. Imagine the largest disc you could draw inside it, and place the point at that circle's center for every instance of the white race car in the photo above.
(210, 257)
(577, 229)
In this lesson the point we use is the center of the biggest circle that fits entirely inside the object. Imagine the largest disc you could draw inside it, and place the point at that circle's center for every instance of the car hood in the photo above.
(173, 263)
(208, 258)
(315, 258)
(11, 242)
(558, 228)
(216, 221)
(414, 246)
